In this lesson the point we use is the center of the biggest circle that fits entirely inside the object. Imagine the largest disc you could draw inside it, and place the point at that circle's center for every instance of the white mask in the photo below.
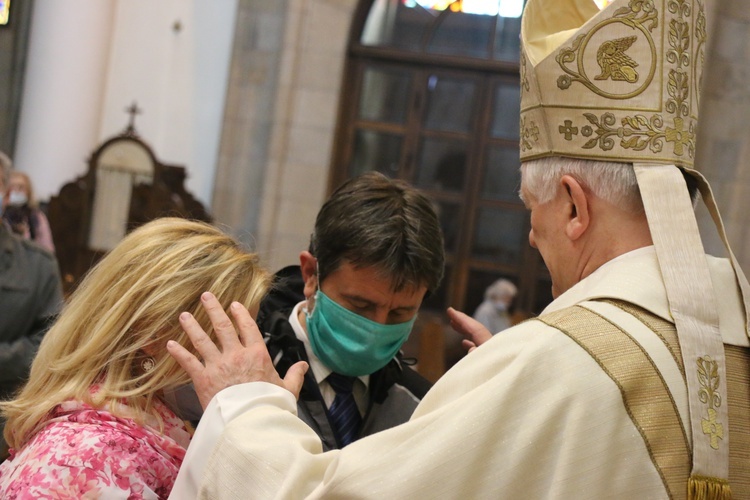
(500, 306)
(17, 198)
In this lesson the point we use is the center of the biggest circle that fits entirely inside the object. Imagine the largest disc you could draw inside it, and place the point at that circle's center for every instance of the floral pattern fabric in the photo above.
(88, 453)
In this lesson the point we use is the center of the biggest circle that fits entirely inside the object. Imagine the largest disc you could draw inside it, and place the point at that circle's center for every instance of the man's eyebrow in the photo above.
(358, 298)
(405, 308)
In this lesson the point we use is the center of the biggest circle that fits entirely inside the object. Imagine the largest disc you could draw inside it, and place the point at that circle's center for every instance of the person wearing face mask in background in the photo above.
(22, 213)
(494, 313)
(30, 299)
(102, 413)
(347, 309)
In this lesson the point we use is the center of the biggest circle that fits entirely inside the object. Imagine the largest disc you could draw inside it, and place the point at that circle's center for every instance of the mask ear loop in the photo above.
(317, 289)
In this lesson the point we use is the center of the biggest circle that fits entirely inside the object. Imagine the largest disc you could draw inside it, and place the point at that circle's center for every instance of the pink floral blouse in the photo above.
(88, 453)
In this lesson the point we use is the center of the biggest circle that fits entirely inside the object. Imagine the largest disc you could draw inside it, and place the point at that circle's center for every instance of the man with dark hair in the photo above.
(30, 297)
(377, 249)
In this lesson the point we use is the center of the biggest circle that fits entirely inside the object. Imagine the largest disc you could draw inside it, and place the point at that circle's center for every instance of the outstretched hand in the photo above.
(238, 358)
(474, 332)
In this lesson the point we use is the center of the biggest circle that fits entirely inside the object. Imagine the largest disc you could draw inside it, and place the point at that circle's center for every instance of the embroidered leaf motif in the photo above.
(679, 41)
(708, 378)
(635, 143)
(591, 143)
(677, 87)
(592, 118)
(621, 11)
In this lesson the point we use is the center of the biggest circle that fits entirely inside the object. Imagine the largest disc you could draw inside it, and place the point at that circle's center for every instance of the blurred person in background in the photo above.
(494, 313)
(21, 211)
(30, 298)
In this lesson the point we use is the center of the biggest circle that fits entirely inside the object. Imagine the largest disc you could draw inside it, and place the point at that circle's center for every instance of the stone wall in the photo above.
(723, 150)
(279, 126)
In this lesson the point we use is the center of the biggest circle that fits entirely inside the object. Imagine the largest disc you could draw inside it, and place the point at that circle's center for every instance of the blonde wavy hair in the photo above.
(127, 306)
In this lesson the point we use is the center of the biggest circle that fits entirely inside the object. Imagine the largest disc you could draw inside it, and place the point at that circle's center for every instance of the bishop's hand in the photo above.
(474, 332)
(239, 358)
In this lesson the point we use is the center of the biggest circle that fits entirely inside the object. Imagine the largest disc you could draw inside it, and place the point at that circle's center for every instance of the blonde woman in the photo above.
(98, 416)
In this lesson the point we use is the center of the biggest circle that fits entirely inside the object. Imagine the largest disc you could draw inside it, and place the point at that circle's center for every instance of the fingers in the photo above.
(249, 332)
(295, 377)
(460, 322)
(225, 332)
(202, 343)
(467, 326)
(236, 360)
(185, 358)
(459, 318)
(468, 345)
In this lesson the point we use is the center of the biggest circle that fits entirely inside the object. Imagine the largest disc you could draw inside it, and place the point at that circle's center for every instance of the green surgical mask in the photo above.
(351, 344)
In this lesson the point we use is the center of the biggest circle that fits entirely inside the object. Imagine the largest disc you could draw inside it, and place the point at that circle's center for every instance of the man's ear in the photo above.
(309, 266)
(579, 216)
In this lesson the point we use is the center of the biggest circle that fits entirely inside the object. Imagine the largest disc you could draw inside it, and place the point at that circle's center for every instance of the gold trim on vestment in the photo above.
(645, 394)
(738, 396)
(661, 328)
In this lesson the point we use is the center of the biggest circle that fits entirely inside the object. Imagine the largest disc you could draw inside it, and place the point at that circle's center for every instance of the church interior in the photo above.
(248, 113)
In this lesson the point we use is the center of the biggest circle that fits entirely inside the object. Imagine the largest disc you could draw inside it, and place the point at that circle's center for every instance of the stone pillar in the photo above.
(296, 180)
(723, 149)
(279, 122)
(248, 115)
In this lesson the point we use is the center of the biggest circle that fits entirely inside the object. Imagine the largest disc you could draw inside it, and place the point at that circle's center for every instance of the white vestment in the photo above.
(529, 414)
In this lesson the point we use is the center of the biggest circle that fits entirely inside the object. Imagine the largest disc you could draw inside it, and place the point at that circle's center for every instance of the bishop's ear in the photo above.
(578, 208)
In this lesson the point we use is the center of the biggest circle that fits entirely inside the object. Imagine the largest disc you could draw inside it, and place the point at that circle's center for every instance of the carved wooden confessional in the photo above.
(125, 186)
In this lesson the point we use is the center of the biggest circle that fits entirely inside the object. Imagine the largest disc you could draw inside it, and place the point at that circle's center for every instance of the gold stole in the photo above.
(647, 398)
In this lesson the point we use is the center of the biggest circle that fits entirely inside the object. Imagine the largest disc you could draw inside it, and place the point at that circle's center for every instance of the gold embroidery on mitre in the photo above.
(636, 71)
(679, 42)
(614, 63)
(700, 51)
(708, 377)
(677, 87)
(528, 134)
(679, 7)
(678, 55)
(568, 130)
(637, 133)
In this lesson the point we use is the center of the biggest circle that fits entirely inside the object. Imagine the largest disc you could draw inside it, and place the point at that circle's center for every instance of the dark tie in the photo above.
(344, 414)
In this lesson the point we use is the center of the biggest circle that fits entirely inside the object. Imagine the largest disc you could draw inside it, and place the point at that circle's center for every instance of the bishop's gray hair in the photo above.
(611, 181)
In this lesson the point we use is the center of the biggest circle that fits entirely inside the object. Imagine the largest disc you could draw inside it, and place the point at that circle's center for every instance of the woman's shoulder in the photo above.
(108, 451)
